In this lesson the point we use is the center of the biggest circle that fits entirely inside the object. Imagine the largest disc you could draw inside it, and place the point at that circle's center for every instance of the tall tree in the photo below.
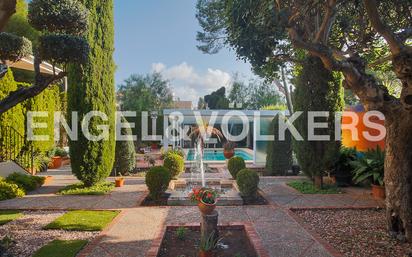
(217, 99)
(145, 93)
(231, 23)
(343, 37)
(92, 89)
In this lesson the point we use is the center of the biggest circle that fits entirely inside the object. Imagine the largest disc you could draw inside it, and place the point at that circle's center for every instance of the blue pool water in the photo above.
(217, 155)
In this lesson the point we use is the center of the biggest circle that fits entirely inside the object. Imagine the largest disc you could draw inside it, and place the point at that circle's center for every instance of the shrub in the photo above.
(9, 191)
(175, 164)
(58, 16)
(157, 180)
(13, 47)
(279, 152)
(248, 182)
(57, 151)
(125, 157)
(370, 167)
(235, 165)
(177, 151)
(26, 182)
(63, 49)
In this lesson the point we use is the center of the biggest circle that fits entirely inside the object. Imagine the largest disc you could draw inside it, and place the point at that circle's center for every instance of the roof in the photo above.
(27, 63)
(182, 105)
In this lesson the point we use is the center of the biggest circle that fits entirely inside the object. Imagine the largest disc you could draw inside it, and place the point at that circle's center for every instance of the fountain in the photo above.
(180, 189)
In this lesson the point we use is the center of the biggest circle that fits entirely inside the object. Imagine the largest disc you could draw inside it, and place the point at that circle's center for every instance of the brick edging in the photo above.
(247, 226)
(95, 241)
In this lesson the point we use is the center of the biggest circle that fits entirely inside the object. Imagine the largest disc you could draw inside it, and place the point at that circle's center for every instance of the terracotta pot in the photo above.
(205, 253)
(119, 182)
(206, 208)
(378, 192)
(57, 162)
(229, 154)
(48, 180)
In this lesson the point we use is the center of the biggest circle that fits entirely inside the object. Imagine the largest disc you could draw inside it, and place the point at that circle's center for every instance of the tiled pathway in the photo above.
(133, 232)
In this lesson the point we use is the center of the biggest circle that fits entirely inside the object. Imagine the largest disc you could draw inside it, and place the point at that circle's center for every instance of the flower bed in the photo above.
(236, 240)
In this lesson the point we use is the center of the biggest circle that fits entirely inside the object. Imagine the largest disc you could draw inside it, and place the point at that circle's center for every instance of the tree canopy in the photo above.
(145, 93)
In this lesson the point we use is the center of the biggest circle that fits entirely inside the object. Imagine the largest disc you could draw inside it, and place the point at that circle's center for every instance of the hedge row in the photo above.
(48, 100)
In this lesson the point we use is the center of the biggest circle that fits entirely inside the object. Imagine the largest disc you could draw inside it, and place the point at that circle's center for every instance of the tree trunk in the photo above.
(398, 175)
(7, 9)
(318, 181)
(287, 91)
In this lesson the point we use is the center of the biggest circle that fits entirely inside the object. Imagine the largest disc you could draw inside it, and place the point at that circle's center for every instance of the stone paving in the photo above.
(45, 198)
(133, 232)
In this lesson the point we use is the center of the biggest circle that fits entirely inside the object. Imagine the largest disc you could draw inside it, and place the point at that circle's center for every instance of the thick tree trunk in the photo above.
(398, 175)
(318, 181)
(7, 9)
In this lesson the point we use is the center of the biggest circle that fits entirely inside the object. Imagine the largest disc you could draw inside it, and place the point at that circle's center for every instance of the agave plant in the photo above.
(370, 167)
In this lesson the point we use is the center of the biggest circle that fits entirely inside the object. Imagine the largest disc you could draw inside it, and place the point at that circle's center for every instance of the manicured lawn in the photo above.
(7, 216)
(61, 248)
(83, 220)
(80, 189)
(306, 187)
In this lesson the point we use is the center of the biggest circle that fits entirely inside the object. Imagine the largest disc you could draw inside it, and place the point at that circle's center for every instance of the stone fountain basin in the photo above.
(180, 189)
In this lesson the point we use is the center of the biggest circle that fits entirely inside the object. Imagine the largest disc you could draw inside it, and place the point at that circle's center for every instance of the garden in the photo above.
(334, 179)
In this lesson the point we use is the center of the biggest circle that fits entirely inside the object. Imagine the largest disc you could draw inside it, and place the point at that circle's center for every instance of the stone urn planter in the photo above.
(229, 150)
(119, 182)
(206, 208)
(378, 192)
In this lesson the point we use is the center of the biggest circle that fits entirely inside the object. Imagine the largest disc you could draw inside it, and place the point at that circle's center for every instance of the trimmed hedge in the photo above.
(25, 182)
(236, 164)
(47, 101)
(14, 117)
(248, 183)
(58, 16)
(9, 190)
(157, 180)
(175, 164)
(63, 49)
(13, 47)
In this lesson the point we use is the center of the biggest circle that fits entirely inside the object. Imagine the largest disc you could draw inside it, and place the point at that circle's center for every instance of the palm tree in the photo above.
(204, 130)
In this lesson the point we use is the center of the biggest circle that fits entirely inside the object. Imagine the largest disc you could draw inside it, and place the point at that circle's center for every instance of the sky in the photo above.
(160, 35)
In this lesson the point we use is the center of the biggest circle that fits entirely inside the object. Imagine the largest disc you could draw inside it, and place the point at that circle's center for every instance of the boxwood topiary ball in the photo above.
(248, 183)
(59, 16)
(235, 165)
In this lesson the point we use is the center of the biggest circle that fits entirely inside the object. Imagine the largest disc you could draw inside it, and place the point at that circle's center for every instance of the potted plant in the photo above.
(205, 198)
(342, 168)
(229, 149)
(57, 155)
(370, 167)
(118, 181)
(208, 244)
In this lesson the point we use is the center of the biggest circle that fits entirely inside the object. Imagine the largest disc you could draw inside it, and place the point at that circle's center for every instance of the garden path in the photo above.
(133, 232)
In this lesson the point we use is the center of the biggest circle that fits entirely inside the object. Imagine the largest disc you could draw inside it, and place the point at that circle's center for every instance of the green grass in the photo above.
(68, 248)
(7, 216)
(83, 220)
(80, 189)
(306, 187)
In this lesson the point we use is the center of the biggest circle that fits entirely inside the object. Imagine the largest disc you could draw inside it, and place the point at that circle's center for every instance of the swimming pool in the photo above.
(217, 155)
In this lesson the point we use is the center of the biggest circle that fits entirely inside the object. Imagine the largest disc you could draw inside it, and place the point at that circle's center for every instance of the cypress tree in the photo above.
(317, 89)
(279, 157)
(91, 88)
